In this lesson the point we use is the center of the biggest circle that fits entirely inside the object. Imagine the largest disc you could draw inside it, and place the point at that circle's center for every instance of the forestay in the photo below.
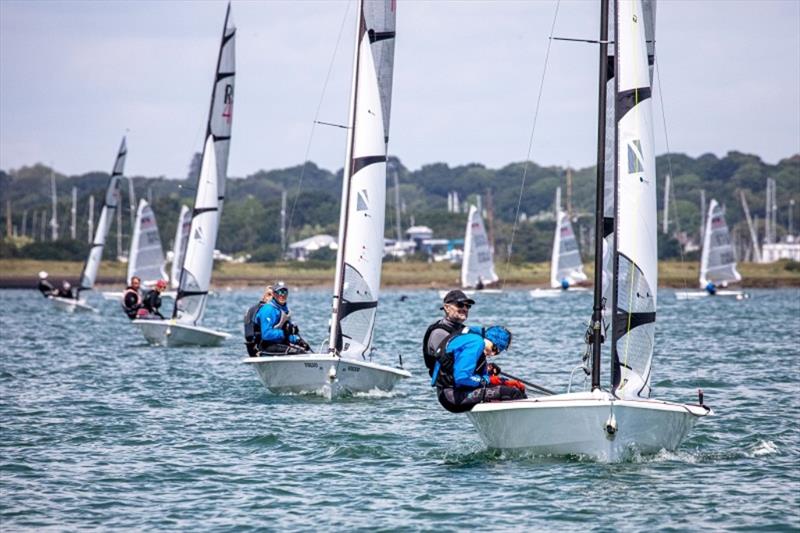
(718, 262)
(220, 116)
(478, 263)
(195, 277)
(635, 254)
(358, 265)
(110, 203)
(179, 245)
(565, 263)
(146, 258)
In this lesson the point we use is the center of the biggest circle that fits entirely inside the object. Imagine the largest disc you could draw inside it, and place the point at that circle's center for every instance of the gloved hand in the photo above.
(293, 339)
(493, 369)
(514, 383)
(290, 329)
(495, 380)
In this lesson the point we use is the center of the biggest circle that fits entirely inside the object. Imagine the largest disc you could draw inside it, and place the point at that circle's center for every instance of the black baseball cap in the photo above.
(457, 296)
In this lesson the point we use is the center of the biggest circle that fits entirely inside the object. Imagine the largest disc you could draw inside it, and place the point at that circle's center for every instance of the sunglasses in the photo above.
(282, 292)
(462, 305)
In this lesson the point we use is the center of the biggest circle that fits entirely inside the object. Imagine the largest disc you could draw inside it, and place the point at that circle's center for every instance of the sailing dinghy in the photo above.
(717, 262)
(184, 329)
(608, 424)
(347, 365)
(566, 267)
(92, 264)
(477, 266)
(146, 255)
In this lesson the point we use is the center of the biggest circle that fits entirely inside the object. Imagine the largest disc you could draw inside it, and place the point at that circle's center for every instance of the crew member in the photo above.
(252, 329)
(711, 288)
(456, 307)
(564, 284)
(65, 291)
(462, 376)
(479, 286)
(132, 297)
(45, 287)
(151, 303)
(279, 336)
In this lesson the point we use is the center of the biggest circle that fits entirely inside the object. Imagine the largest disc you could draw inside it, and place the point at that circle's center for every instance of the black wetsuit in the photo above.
(152, 302)
(131, 302)
(65, 293)
(46, 288)
(437, 332)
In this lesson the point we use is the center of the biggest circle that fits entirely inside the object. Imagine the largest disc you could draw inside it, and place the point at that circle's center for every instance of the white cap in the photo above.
(42, 275)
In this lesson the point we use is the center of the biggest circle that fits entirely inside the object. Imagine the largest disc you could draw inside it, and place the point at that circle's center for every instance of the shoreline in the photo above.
(22, 274)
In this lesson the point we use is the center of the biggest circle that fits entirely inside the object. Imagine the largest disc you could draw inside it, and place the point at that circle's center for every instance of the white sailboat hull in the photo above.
(693, 295)
(577, 424)
(323, 374)
(171, 334)
(71, 305)
(114, 295)
(555, 293)
(476, 292)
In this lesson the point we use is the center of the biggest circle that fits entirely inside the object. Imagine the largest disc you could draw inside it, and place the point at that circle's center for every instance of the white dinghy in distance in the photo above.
(717, 262)
(566, 267)
(477, 266)
(184, 328)
(92, 264)
(611, 424)
(347, 367)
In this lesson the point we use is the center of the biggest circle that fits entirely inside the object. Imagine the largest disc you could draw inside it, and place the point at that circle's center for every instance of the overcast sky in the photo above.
(75, 76)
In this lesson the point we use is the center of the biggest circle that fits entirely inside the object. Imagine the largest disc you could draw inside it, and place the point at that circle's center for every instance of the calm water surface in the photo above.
(99, 430)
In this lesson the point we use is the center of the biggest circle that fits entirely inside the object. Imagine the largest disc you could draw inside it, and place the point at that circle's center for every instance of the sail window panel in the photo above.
(355, 323)
(635, 164)
(191, 307)
(634, 293)
(635, 351)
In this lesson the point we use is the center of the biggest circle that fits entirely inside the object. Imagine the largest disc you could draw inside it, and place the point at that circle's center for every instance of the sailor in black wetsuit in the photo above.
(132, 297)
(152, 300)
(65, 291)
(456, 307)
(45, 287)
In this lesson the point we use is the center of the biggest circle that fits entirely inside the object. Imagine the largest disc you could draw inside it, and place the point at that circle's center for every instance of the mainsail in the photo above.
(179, 246)
(718, 263)
(478, 263)
(195, 278)
(635, 262)
(198, 260)
(89, 273)
(565, 263)
(220, 115)
(358, 262)
(146, 256)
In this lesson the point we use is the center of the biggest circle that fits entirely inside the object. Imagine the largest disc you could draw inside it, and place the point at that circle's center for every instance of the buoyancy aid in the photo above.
(443, 371)
(430, 357)
(252, 329)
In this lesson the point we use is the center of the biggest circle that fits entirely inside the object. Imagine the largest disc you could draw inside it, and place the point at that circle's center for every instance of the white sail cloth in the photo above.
(110, 204)
(146, 256)
(565, 262)
(195, 278)
(179, 245)
(636, 281)
(220, 118)
(718, 262)
(478, 263)
(358, 266)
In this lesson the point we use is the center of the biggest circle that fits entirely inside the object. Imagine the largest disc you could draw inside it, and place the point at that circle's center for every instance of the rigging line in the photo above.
(669, 166)
(530, 146)
(314, 122)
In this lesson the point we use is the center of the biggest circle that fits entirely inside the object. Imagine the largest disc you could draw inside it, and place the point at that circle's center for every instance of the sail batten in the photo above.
(146, 256)
(360, 254)
(110, 204)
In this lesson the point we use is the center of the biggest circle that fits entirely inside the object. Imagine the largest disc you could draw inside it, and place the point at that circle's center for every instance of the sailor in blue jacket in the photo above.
(463, 377)
(279, 336)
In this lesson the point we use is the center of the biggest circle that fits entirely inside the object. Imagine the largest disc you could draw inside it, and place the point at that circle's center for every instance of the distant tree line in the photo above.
(251, 218)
